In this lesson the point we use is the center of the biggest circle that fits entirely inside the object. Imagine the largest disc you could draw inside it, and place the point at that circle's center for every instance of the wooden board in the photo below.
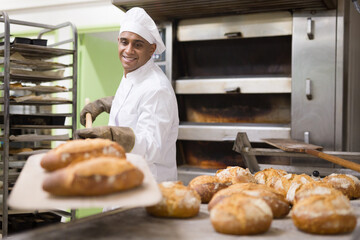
(28, 194)
(290, 145)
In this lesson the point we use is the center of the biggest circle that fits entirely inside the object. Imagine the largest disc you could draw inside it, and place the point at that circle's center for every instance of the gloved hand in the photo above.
(122, 135)
(95, 108)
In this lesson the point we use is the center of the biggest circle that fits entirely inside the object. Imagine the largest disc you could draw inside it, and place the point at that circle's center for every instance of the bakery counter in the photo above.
(137, 224)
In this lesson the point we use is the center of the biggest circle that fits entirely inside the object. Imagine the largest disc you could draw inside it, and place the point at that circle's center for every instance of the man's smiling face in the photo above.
(134, 51)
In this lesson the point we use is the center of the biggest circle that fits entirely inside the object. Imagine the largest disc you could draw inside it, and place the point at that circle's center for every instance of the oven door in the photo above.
(232, 74)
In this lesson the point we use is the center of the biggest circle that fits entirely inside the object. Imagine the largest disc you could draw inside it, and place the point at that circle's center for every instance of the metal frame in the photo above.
(6, 36)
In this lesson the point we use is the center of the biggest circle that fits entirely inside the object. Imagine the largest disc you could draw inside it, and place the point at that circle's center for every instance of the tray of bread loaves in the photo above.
(84, 173)
(271, 200)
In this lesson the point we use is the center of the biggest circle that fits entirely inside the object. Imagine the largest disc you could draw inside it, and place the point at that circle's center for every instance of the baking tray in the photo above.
(28, 194)
(35, 51)
(36, 119)
(34, 79)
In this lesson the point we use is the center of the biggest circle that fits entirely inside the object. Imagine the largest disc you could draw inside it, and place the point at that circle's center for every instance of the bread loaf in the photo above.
(276, 201)
(324, 214)
(232, 175)
(315, 188)
(349, 185)
(240, 214)
(295, 185)
(178, 201)
(269, 176)
(97, 176)
(282, 184)
(206, 186)
(79, 150)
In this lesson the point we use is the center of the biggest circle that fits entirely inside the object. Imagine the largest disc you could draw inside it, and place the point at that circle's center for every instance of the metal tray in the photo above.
(35, 51)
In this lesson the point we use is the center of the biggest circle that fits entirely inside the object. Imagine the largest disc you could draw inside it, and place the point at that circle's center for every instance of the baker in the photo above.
(143, 113)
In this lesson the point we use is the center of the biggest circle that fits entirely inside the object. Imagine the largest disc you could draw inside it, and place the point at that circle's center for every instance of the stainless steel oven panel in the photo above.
(226, 132)
(313, 78)
(246, 26)
(230, 85)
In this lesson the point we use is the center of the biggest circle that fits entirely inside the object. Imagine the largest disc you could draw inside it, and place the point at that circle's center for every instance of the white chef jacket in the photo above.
(145, 101)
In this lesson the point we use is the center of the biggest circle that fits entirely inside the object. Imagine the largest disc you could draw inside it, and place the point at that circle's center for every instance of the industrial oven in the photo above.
(283, 69)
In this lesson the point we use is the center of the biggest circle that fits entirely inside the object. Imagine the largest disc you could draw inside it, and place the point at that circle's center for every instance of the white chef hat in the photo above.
(136, 20)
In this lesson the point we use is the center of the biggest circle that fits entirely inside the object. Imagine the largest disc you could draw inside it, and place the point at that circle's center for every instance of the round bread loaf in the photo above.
(178, 201)
(282, 184)
(75, 151)
(241, 214)
(349, 185)
(269, 176)
(97, 176)
(324, 214)
(232, 175)
(276, 201)
(206, 186)
(315, 188)
(295, 185)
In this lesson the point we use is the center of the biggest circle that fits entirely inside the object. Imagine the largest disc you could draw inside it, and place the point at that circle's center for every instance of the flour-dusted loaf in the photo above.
(315, 188)
(282, 184)
(348, 184)
(97, 176)
(269, 176)
(324, 214)
(276, 201)
(295, 185)
(206, 186)
(232, 175)
(241, 214)
(75, 151)
(178, 201)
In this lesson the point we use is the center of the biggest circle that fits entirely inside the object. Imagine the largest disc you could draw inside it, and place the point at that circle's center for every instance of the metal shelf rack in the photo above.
(36, 60)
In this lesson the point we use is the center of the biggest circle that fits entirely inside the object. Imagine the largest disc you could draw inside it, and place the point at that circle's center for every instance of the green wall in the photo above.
(99, 70)
(99, 75)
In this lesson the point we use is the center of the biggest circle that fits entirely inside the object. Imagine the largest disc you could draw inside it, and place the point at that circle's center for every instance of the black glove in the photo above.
(122, 135)
(95, 108)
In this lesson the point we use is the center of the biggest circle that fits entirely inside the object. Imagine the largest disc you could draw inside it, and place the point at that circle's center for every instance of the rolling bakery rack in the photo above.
(33, 106)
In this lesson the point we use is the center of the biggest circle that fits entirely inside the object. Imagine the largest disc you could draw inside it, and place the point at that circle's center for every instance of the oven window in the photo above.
(234, 57)
(235, 108)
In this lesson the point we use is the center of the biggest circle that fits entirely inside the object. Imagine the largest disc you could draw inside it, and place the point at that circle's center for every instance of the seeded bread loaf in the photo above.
(79, 150)
(97, 176)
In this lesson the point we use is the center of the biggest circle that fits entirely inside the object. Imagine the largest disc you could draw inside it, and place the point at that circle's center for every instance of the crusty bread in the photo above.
(276, 201)
(206, 186)
(97, 176)
(241, 214)
(349, 185)
(75, 151)
(232, 175)
(314, 188)
(282, 184)
(269, 176)
(324, 214)
(178, 201)
(295, 185)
